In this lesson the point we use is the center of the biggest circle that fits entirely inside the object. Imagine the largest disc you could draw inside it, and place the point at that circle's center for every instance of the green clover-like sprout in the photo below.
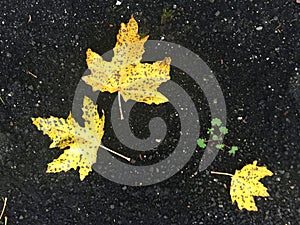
(210, 130)
(223, 130)
(201, 143)
(220, 146)
(215, 138)
(216, 122)
(233, 150)
(217, 126)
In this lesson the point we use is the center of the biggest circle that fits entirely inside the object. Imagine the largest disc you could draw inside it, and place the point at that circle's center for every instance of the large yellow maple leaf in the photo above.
(245, 184)
(124, 73)
(83, 142)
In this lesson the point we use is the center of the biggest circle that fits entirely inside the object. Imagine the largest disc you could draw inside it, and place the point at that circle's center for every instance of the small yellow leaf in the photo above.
(245, 184)
(83, 142)
(124, 73)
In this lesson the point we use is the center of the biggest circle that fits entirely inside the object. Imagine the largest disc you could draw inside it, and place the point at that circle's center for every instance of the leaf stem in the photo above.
(227, 146)
(116, 153)
(4, 205)
(120, 106)
(221, 173)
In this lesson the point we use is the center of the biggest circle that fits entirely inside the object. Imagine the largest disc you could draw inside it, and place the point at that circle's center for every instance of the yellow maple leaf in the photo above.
(124, 73)
(83, 142)
(245, 184)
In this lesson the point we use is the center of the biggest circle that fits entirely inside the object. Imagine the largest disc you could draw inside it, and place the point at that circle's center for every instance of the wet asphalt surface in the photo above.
(252, 48)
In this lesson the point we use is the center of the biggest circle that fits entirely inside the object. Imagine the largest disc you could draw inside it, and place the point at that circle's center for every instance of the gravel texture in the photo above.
(252, 48)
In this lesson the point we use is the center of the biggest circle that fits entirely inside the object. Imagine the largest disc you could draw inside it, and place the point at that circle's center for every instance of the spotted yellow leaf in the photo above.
(245, 184)
(83, 142)
(124, 73)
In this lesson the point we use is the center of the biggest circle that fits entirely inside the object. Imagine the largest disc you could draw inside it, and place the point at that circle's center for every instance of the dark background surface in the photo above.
(252, 48)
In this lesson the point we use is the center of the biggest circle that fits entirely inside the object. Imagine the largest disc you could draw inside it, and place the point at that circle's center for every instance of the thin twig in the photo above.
(277, 28)
(3, 208)
(32, 74)
(221, 173)
(5, 220)
(120, 106)
(116, 153)
(2, 101)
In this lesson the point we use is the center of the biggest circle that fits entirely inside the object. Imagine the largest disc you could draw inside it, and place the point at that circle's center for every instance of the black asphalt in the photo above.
(251, 46)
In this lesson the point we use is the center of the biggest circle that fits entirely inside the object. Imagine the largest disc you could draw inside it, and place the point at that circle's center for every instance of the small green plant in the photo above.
(216, 125)
(166, 16)
(142, 35)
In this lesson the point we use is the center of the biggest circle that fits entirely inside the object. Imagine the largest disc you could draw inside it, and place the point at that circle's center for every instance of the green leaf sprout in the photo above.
(223, 130)
(201, 143)
(220, 146)
(210, 130)
(217, 139)
(216, 122)
(233, 150)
